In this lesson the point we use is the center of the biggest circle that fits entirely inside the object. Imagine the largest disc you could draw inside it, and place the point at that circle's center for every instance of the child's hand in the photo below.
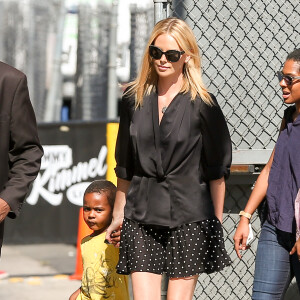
(115, 237)
(75, 295)
(113, 233)
(296, 248)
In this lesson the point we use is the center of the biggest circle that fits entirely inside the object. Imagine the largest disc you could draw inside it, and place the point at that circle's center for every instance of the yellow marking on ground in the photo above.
(16, 279)
(61, 276)
(34, 281)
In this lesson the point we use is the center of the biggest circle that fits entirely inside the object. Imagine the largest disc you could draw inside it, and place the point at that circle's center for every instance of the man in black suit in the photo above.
(20, 149)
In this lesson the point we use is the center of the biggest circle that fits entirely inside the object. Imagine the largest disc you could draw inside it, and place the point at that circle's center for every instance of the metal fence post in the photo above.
(30, 60)
(54, 97)
(112, 65)
(161, 9)
(1, 30)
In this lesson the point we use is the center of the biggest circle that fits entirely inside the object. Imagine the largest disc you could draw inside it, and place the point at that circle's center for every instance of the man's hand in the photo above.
(4, 210)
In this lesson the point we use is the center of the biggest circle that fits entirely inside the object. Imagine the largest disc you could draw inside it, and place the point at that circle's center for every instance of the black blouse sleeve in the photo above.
(216, 144)
(123, 154)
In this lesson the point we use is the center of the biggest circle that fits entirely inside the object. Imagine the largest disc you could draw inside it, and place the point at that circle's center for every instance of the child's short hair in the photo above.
(103, 186)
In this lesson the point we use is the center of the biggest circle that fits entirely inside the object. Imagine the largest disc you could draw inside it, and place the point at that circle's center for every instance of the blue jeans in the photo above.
(274, 266)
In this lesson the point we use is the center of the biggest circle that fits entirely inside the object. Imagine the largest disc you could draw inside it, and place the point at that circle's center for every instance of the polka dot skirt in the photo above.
(183, 251)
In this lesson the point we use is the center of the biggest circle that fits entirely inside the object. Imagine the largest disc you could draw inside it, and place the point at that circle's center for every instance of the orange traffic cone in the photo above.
(83, 231)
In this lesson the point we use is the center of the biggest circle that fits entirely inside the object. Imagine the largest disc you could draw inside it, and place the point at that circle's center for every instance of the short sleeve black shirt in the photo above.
(170, 164)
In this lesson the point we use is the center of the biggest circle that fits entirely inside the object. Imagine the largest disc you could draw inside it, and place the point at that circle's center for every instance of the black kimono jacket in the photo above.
(170, 164)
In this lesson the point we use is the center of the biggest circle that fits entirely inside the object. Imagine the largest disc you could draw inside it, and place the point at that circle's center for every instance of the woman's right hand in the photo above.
(240, 236)
(296, 249)
(257, 195)
(113, 232)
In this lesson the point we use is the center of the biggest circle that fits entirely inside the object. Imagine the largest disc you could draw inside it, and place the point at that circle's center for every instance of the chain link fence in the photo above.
(27, 32)
(243, 43)
(92, 61)
(31, 36)
(141, 26)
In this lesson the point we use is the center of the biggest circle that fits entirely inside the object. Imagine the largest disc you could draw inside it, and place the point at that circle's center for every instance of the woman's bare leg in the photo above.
(182, 288)
(146, 286)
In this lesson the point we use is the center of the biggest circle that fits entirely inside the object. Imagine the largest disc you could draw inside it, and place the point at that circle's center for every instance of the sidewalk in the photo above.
(38, 272)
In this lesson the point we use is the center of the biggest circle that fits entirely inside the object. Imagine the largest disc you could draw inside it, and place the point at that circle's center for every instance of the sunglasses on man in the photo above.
(287, 78)
(171, 55)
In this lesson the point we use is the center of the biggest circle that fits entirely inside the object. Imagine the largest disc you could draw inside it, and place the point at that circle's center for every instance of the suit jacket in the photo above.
(20, 149)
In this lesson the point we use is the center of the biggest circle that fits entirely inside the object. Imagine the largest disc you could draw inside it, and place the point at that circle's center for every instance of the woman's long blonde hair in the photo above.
(147, 78)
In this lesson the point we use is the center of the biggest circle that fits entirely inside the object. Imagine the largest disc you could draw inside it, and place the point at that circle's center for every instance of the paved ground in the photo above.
(41, 272)
(38, 272)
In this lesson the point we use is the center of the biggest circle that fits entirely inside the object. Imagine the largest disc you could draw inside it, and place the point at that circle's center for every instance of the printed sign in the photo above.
(61, 175)
(72, 159)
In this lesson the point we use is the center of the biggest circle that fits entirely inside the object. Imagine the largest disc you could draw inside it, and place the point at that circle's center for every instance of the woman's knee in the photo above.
(181, 288)
(146, 286)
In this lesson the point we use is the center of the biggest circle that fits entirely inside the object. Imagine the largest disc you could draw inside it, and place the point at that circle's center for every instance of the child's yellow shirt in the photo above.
(99, 278)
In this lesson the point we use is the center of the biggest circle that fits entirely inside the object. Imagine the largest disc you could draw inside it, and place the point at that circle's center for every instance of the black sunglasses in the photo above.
(171, 55)
(287, 78)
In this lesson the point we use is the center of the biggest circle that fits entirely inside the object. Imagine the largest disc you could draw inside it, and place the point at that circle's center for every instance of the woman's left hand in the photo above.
(296, 248)
(217, 190)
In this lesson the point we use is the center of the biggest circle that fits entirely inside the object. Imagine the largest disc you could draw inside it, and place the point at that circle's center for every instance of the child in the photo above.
(99, 279)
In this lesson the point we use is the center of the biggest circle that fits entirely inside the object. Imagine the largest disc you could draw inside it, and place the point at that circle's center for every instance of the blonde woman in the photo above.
(173, 154)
